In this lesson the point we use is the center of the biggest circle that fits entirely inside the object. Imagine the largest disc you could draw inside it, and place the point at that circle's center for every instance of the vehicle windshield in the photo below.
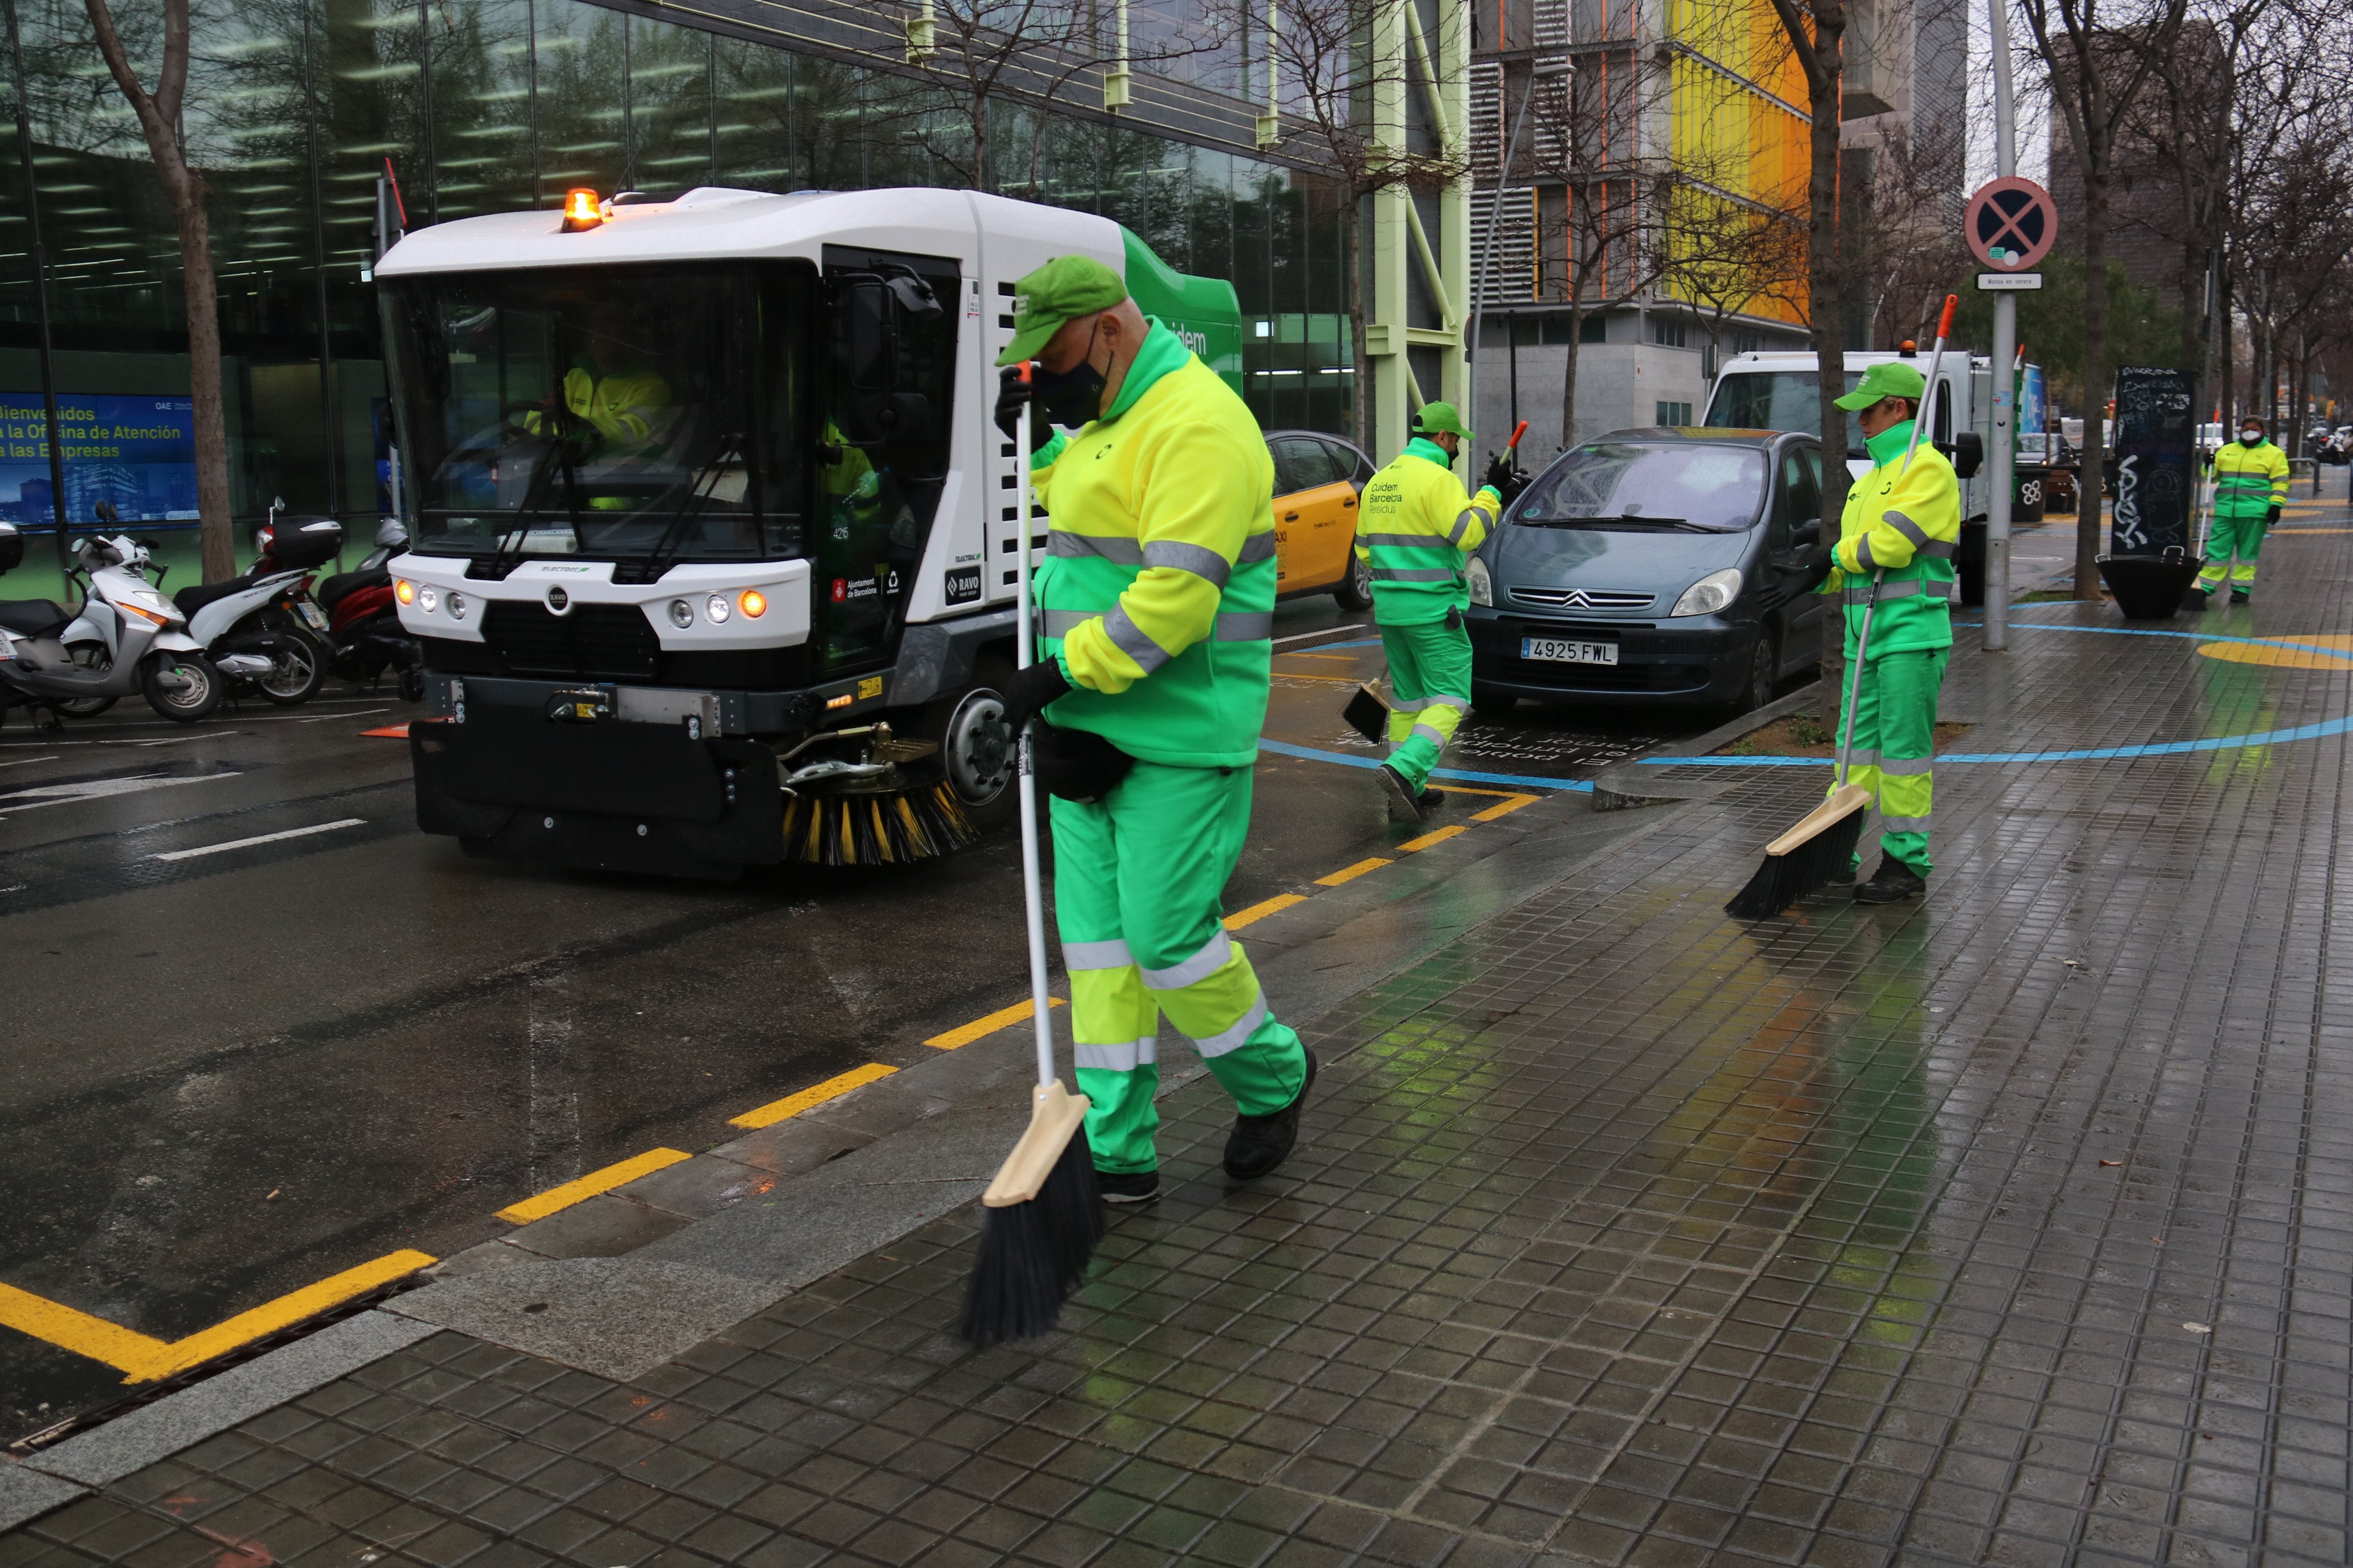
(1635, 484)
(607, 413)
(1779, 400)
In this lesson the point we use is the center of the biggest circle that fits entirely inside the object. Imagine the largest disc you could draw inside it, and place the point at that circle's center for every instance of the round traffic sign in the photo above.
(2010, 224)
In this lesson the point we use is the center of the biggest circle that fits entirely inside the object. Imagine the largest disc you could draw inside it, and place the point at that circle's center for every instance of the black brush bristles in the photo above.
(1033, 1255)
(1783, 879)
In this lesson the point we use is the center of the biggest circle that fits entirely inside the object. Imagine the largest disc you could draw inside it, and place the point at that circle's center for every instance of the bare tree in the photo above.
(1906, 264)
(2098, 64)
(160, 114)
(1728, 258)
(1815, 31)
(1334, 73)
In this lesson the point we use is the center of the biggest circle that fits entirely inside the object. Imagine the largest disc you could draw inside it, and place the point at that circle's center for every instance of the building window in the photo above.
(1594, 329)
(1672, 414)
(1669, 332)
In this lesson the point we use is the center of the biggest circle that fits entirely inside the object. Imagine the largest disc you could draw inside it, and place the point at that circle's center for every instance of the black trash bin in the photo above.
(2148, 587)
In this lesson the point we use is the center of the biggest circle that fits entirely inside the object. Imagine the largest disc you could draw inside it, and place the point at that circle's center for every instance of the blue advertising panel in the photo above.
(138, 453)
(2031, 408)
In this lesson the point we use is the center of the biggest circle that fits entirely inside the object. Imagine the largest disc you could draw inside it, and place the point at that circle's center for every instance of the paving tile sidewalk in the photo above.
(2014, 1227)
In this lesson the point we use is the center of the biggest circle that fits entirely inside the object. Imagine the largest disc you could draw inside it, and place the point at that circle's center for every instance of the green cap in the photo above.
(1065, 287)
(1888, 378)
(1439, 419)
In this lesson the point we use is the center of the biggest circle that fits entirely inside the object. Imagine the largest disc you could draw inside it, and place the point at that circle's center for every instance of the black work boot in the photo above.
(1259, 1144)
(1405, 805)
(1892, 883)
(1431, 799)
(2240, 595)
(1128, 1187)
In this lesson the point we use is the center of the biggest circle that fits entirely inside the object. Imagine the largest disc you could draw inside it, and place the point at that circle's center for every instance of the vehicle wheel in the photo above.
(1764, 671)
(977, 747)
(87, 656)
(1355, 593)
(182, 686)
(1489, 703)
(298, 672)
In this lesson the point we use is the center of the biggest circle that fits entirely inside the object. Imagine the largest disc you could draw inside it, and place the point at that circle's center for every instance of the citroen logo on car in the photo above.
(558, 600)
(1577, 600)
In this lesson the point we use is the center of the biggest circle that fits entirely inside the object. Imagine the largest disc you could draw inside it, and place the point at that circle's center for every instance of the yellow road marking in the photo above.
(1439, 837)
(791, 1105)
(1259, 911)
(1350, 873)
(2292, 658)
(145, 1358)
(547, 1203)
(980, 1028)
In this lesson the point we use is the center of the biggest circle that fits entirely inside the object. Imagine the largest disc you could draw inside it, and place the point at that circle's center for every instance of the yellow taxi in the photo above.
(1317, 481)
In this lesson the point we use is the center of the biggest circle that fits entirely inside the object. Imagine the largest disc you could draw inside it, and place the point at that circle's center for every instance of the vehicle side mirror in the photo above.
(12, 547)
(1968, 453)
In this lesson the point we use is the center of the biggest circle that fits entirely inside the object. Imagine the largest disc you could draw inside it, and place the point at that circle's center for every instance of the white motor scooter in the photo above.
(125, 638)
(260, 629)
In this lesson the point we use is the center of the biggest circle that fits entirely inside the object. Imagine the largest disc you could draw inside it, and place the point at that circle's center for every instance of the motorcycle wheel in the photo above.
(186, 704)
(296, 675)
(89, 656)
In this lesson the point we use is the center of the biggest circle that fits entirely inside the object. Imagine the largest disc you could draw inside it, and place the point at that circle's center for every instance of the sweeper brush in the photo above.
(879, 802)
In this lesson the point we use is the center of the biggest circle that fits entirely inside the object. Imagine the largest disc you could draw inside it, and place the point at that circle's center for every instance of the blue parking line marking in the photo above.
(1523, 781)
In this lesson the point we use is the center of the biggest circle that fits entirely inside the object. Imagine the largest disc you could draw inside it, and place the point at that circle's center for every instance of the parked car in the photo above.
(1317, 480)
(1630, 572)
(2057, 462)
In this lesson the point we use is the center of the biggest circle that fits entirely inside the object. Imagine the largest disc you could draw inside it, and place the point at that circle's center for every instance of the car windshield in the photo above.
(1639, 484)
(608, 413)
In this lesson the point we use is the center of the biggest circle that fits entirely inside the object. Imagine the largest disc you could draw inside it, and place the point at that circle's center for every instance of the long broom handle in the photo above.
(1936, 370)
(1033, 897)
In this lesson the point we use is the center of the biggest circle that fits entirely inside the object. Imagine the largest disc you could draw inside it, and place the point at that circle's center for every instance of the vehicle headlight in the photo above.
(405, 591)
(428, 600)
(1710, 593)
(718, 609)
(457, 607)
(1482, 585)
(682, 614)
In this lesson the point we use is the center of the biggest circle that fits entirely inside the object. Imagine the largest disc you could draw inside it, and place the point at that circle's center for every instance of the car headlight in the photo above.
(717, 608)
(1482, 585)
(457, 607)
(428, 600)
(682, 614)
(1710, 593)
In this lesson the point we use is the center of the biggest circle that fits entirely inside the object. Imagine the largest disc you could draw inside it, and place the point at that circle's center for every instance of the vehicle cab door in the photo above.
(1315, 513)
(1792, 533)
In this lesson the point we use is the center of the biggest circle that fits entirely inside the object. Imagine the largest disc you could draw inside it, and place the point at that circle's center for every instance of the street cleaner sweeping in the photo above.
(2250, 478)
(1156, 608)
(1892, 569)
(1415, 530)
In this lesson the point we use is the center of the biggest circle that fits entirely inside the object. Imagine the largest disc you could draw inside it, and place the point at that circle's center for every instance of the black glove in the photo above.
(1032, 689)
(2271, 517)
(1499, 473)
(1012, 392)
(1781, 585)
(1077, 764)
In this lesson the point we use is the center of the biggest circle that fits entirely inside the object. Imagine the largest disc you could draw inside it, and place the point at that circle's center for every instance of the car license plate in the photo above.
(1567, 650)
(312, 613)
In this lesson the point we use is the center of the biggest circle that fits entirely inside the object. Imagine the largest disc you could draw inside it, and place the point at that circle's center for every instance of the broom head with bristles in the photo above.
(1368, 715)
(1818, 850)
(1041, 1220)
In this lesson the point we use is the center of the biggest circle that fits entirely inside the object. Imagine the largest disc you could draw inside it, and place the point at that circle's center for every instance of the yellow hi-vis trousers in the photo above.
(2241, 536)
(1137, 879)
(1429, 685)
(1895, 747)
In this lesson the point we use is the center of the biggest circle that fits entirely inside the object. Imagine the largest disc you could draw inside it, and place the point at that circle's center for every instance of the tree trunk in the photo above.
(1826, 328)
(216, 540)
(1568, 370)
(2096, 379)
(1360, 374)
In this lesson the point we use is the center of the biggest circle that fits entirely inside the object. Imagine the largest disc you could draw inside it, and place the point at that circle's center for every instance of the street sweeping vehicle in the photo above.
(713, 541)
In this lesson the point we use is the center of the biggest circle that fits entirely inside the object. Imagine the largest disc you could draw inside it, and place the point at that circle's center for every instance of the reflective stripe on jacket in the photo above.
(1156, 592)
(2248, 480)
(1906, 519)
(1414, 529)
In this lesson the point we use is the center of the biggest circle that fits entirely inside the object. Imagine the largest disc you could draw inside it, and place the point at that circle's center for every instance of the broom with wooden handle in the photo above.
(1821, 846)
(1042, 1215)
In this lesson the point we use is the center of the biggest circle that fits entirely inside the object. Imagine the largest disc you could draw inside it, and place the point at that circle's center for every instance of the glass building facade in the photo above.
(297, 107)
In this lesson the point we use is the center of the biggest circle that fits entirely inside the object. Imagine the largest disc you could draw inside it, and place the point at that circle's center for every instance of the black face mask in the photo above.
(1074, 397)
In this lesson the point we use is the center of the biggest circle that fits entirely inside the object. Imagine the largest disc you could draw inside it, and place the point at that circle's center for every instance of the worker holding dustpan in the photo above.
(1417, 531)
(1894, 572)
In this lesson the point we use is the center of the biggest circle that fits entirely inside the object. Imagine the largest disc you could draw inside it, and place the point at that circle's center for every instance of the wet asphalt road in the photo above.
(239, 1071)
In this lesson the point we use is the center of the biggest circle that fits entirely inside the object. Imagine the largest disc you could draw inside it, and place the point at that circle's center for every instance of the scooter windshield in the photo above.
(622, 414)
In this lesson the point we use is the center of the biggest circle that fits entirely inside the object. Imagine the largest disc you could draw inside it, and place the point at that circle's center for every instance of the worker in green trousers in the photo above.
(1417, 529)
(2250, 478)
(1895, 560)
(1156, 604)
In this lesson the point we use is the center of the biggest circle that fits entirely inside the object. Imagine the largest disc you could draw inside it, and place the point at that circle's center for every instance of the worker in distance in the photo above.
(2250, 478)
(1156, 605)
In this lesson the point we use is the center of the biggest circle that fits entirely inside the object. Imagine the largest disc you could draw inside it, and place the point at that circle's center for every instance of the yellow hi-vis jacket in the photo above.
(1157, 589)
(1416, 529)
(2248, 480)
(1905, 518)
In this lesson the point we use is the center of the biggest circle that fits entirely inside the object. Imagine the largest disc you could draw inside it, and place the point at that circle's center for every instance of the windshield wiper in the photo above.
(1622, 520)
(659, 559)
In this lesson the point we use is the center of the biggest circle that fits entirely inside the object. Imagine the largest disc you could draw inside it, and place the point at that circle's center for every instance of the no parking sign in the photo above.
(2010, 224)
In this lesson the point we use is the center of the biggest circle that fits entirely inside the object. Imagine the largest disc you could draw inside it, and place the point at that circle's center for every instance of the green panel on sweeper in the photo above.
(1204, 311)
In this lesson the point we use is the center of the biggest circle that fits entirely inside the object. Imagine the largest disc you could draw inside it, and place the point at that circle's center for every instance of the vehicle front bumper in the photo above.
(1694, 660)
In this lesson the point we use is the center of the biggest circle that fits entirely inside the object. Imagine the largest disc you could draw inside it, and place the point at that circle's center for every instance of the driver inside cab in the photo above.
(613, 389)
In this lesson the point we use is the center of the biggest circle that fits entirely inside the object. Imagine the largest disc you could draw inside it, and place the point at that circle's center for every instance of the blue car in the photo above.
(1653, 567)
